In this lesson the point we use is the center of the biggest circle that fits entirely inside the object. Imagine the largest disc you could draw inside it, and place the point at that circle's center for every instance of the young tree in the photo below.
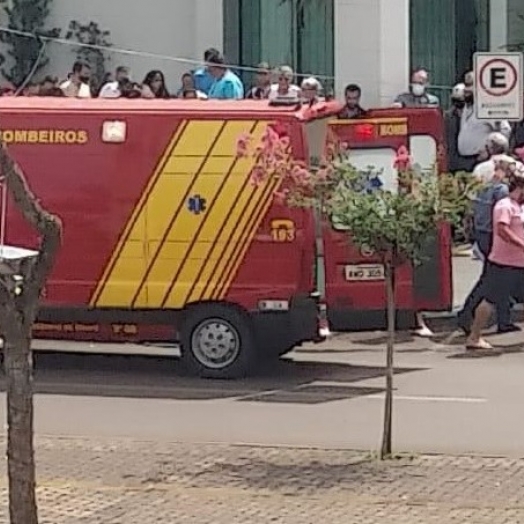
(22, 277)
(395, 225)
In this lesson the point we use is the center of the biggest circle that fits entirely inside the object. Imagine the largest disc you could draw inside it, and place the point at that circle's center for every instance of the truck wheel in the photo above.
(217, 342)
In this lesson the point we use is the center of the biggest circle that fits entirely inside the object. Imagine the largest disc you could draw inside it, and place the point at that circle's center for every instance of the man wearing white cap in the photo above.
(474, 132)
(452, 121)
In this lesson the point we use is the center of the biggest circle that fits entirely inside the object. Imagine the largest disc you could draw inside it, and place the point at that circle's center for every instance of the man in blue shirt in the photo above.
(227, 85)
(202, 78)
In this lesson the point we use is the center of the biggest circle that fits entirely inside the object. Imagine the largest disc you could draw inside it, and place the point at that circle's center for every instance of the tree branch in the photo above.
(46, 224)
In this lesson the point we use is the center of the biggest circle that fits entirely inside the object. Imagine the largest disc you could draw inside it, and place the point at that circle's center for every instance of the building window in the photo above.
(299, 33)
(444, 36)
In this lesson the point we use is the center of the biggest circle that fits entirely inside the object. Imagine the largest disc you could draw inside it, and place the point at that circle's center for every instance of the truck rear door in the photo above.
(355, 279)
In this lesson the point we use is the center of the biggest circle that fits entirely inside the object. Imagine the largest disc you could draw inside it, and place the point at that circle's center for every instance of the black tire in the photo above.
(214, 321)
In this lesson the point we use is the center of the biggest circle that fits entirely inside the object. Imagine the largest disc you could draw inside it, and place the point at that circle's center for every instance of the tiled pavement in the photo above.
(117, 482)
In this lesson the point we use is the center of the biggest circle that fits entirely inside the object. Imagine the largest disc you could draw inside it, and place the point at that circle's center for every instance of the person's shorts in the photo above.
(499, 283)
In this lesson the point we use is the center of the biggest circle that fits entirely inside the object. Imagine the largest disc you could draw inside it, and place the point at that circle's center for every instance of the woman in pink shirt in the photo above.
(504, 274)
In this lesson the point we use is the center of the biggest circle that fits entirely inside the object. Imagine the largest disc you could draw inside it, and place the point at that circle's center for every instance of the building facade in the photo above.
(373, 43)
(154, 32)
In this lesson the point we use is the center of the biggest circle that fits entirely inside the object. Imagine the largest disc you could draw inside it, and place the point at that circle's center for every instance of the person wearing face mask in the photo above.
(474, 133)
(77, 85)
(452, 122)
(503, 276)
(417, 95)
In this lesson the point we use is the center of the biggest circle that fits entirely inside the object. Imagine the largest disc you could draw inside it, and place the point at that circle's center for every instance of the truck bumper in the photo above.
(280, 330)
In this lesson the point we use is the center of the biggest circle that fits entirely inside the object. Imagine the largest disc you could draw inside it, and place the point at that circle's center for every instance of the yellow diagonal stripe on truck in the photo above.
(218, 230)
(254, 218)
(234, 203)
(106, 284)
(163, 204)
(185, 180)
(188, 246)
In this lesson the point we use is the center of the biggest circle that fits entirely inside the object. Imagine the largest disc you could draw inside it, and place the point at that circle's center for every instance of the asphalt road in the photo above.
(328, 396)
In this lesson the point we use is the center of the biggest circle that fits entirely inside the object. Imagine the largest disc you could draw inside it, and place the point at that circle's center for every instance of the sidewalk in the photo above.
(127, 482)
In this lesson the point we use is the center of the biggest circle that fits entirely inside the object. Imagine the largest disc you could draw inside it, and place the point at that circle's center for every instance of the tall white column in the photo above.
(209, 25)
(357, 47)
(372, 48)
(394, 49)
(498, 25)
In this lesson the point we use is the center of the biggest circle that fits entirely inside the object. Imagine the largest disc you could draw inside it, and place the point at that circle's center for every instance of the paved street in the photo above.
(328, 396)
(115, 482)
(124, 439)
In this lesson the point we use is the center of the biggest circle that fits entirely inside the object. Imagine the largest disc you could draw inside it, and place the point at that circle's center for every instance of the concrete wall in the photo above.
(516, 22)
(173, 28)
(372, 48)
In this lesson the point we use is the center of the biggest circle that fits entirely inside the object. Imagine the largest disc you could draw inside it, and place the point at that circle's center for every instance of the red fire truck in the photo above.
(165, 238)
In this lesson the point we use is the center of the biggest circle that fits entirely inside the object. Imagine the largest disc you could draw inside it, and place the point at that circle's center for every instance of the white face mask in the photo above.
(418, 89)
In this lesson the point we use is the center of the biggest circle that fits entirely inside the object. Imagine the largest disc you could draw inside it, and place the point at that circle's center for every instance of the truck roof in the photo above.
(204, 108)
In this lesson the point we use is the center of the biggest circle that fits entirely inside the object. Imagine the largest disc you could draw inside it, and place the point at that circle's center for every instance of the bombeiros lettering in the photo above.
(44, 136)
(393, 129)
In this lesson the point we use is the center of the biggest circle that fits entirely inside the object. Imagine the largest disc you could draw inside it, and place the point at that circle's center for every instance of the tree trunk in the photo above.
(18, 308)
(386, 448)
(20, 449)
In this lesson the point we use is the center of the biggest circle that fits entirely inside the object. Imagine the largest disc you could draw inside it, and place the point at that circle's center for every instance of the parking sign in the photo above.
(499, 93)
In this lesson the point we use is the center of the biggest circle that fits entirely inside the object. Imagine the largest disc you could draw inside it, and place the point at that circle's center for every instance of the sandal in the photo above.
(482, 348)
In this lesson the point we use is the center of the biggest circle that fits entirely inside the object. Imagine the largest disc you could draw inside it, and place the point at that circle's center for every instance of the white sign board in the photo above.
(499, 87)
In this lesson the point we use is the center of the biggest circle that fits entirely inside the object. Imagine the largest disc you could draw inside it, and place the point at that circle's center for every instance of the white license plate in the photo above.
(359, 272)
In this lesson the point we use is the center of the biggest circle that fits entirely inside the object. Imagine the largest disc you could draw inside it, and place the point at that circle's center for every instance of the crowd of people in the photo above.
(466, 135)
(489, 150)
(213, 81)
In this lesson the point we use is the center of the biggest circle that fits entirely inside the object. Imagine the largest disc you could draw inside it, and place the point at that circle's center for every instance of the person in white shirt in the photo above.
(284, 88)
(77, 85)
(474, 133)
(311, 90)
(113, 89)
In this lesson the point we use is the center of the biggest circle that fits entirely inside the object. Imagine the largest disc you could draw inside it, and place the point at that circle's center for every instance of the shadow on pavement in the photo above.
(507, 349)
(288, 381)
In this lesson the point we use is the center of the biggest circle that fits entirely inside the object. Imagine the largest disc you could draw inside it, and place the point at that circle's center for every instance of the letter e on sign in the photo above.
(499, 88)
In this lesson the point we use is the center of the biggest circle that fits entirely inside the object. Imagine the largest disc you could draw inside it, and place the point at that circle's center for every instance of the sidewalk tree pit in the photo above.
(394, 225)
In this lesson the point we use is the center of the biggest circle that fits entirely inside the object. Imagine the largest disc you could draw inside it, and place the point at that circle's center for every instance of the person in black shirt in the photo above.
(352, 109)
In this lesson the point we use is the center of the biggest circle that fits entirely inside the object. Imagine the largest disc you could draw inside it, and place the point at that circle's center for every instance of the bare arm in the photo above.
(504, 231)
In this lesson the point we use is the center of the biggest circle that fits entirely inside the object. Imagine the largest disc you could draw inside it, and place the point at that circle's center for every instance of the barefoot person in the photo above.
(504, 273)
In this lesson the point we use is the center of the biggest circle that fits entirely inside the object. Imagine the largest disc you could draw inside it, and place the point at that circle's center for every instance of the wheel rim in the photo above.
(215, 343)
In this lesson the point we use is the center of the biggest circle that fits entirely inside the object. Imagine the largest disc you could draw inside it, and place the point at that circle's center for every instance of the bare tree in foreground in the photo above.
(23, 278)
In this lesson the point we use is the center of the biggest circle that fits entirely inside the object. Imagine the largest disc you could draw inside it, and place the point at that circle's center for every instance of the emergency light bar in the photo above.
(364, 131)
(114, 132)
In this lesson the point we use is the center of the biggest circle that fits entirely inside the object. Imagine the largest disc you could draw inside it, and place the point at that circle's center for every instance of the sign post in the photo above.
(499, 93)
